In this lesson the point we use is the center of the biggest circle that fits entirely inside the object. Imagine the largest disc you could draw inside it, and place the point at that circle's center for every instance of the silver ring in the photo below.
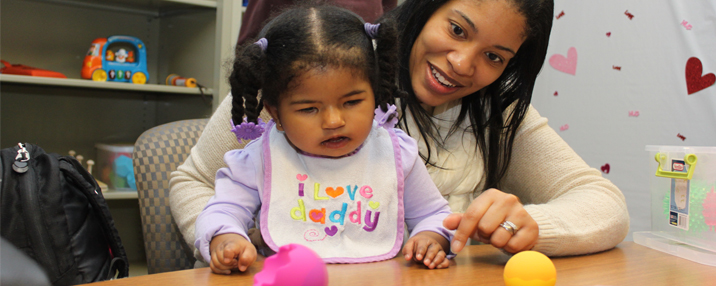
(509, 227)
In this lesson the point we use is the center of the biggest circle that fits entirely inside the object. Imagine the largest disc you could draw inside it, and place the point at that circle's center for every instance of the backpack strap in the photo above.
(119, 262)
(114, 266)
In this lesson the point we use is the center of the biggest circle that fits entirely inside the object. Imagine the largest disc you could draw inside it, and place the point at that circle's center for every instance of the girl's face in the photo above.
(463, 47)
(329, 113)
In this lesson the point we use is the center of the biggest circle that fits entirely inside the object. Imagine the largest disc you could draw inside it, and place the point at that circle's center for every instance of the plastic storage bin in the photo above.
(683, 202)
(114, 166)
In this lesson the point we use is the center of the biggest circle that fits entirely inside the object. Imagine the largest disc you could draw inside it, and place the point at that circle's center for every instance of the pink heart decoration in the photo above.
(331, 231)
(686, 25)
(316, 216)
(301, 177)
(606, 168)
(694, 81)
(565, 64)
(564, 127)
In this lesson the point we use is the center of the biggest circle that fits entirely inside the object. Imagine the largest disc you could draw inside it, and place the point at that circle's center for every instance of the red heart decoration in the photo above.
(694, 81)
(605, 168)
(609, 34)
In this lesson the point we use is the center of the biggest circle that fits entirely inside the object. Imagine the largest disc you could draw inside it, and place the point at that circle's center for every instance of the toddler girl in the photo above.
(329, 171)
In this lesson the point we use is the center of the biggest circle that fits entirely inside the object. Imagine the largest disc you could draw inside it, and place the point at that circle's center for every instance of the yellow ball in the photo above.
(530, 268)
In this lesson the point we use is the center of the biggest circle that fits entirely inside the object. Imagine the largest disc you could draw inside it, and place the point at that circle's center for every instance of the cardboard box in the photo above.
(683, 202)
(114, 166)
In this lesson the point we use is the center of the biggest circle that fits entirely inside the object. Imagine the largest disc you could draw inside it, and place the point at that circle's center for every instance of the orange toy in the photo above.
(26, 70)
(530, 268)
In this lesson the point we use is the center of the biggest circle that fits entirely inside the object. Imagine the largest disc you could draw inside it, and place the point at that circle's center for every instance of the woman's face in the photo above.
(463, 47)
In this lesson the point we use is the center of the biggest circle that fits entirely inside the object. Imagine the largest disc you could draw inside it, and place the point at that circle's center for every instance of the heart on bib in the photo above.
(606, 168)
(334, 192)
(316, 216)
(301, 177)
(694, 81)
(566, 64)
(374, 205)
(331, 230)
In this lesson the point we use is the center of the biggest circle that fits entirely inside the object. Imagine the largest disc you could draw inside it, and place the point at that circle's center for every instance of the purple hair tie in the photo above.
(263, 43)
(371, 29)
(387, 119)
(248, 130)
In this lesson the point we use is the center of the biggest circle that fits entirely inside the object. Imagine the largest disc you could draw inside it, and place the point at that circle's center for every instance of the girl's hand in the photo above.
(428, 247)
(482, 222)
(231, 251)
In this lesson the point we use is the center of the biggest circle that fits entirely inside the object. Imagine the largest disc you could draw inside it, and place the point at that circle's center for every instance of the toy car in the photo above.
(117, 58)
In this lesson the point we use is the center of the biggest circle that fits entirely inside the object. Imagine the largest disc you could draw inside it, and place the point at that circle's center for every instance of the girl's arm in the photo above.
(425, 208)
(192, 184)
(236, 201)
(577, 210)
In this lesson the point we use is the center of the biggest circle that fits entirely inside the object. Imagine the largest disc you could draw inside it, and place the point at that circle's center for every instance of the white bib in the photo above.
(348, 210)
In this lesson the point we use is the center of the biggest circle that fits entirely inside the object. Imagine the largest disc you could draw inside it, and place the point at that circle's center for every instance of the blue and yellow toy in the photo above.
(117, 58)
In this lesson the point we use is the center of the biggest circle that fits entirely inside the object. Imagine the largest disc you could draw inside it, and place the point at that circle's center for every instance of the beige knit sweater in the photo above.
(577, 210)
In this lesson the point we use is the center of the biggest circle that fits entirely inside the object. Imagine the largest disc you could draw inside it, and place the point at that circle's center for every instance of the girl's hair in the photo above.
(484, 108)
(304, 38)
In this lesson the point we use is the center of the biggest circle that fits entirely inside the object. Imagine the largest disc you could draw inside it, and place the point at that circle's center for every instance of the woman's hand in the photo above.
(483, 218)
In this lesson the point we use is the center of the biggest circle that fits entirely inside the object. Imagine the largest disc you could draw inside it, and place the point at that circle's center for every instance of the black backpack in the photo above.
(53, 210)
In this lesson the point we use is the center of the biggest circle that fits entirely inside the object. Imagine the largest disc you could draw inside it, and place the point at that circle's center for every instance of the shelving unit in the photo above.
(191, 38)
(119, 195)
(83, 83)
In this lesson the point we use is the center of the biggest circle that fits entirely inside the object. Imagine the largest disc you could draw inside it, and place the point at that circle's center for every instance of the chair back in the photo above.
(157, 153)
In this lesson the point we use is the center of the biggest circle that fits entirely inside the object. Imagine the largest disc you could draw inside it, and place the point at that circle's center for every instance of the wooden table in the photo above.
(627, 264)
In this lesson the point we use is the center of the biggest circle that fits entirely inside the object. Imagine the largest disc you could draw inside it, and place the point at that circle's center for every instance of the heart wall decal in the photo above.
(605, 168)
(566, 64)
(694, 81)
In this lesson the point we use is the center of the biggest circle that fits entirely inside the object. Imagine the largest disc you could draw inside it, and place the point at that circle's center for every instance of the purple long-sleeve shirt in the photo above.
(237, 200)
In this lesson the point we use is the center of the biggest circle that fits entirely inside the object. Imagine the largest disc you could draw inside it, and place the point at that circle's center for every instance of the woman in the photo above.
(474, 64)
(468, 69)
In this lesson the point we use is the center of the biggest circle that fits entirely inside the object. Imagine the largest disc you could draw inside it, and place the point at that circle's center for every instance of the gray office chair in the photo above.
(158, 152)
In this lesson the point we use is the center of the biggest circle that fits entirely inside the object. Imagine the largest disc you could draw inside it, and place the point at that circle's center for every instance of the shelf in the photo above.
(205, 3)
(142, 7)
(83, 83)
(120, 194)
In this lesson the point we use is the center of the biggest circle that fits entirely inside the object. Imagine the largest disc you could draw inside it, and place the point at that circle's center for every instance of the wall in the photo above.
(625, 87)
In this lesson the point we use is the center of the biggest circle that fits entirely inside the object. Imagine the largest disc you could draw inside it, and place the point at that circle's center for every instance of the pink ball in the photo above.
(293, 264)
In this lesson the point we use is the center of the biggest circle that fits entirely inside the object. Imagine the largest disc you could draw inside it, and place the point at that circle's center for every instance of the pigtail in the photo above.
(386, 50)
(246, 81)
